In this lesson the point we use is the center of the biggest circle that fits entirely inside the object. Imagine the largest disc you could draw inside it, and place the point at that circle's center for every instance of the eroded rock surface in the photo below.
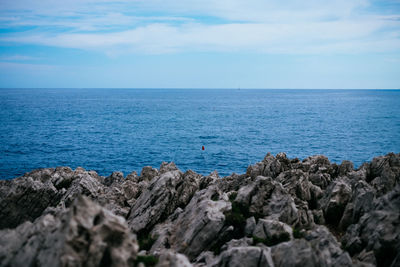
(281, 212)
(83, 235)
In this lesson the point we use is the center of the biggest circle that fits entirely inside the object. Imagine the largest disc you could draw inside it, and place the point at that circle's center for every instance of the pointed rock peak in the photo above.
(167, 166)
(148, 173)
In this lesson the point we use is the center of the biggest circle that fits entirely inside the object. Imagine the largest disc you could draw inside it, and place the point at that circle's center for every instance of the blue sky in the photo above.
(200, 44)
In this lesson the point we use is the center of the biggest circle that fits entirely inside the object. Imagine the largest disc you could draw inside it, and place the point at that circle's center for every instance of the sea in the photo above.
(124, 130)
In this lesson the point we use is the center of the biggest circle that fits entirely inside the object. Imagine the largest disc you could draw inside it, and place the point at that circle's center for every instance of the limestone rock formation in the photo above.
(281, 212)
(83, 235)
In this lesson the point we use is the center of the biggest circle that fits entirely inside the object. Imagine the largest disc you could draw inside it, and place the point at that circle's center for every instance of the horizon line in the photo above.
(196, 88)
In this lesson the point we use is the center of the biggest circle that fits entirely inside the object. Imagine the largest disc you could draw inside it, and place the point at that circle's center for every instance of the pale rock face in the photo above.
(172, 259)
(296, 182)
(245, 256)
(25, 198)
(243, 242)
(86, 234)
(266, 197)
(378, 230)
(361, 202)
(270, 166)
(273, 231)
(250, 226)
(148, 173)
(199, 225)
(345, 167)
(114, 178)
(335, 199)
(167, 167)
(164, 194)
(320, 179)
(322, 249)
(274, 215)
(206, 258)
(384, 173)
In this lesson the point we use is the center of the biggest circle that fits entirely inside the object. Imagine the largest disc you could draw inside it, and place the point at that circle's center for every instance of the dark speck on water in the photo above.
(125, 129)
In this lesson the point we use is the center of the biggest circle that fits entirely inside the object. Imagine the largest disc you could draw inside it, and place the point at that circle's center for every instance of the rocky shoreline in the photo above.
(281, 212)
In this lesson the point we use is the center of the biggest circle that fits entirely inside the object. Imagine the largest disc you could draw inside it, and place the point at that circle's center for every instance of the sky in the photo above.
(200, 44)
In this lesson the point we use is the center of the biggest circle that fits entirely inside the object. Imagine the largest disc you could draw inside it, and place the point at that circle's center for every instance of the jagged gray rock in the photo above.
(245, 256)
(171, 259)
(272, 231)
(200, 225)
(85, 234)
(361, 202)
(335, 199)
(318, 248)
(25, 198)
(274, 215)
(378, 230)
(250, 226)
(164, 194)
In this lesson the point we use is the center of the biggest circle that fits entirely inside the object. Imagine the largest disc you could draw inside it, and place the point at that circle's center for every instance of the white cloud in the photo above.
(267, 38)
(160, 26)
(246, 10)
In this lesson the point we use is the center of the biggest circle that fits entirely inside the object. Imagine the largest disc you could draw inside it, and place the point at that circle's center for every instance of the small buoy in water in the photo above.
(202, 147)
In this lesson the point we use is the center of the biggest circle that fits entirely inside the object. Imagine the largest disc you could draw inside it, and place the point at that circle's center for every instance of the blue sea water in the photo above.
(125, 129)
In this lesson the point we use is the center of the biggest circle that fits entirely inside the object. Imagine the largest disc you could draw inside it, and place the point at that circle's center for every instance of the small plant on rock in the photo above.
(147, 260)
(145, 240)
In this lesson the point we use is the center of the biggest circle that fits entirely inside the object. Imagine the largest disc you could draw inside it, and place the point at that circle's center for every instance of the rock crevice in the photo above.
(281, 212)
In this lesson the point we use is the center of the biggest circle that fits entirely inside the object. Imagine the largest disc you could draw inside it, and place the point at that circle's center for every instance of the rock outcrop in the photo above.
(281, 212)
(83, 235)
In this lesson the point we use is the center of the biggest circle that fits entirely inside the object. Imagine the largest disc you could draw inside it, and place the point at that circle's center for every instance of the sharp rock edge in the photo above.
(281, 212)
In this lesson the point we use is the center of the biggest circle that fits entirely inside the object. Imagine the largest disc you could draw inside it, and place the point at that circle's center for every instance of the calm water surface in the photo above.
(125, 129)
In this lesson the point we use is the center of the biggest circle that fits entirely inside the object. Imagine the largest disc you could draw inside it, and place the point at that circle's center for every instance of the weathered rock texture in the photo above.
(282, 212)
